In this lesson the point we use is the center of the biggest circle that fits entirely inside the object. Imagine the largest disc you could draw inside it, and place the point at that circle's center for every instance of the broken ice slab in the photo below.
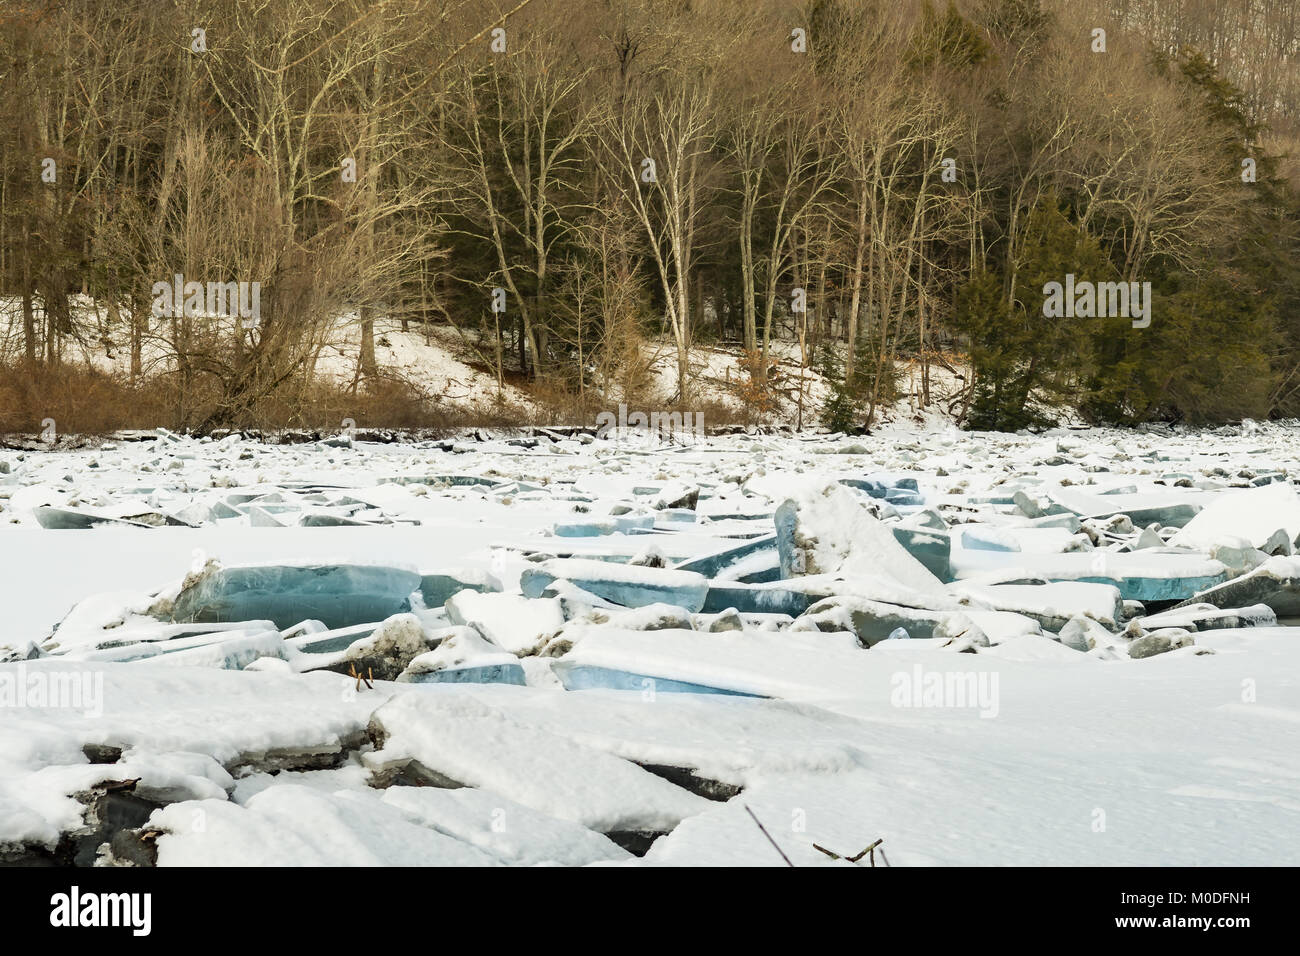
(793, 596)
(228, 649)
(338, 595)
(532, 838)
(1004, 498)
(195, 513)
(930, 547)
(1276, 583)
(875, 489)
(513, 623)
(463, 656)
(988, 538)
(1207, 617)
(672, 518)
(1001, 626)
(1037, 508)
(292, 824)
(326, 641)
(828, 529)
(260, 518)
(875, 621)
(1051, 605)
(577, 677)
(904, 499)
(927, 518)
(651, 617)
(1167, 510)
(118, 619)
(627, 585)
(760, 664)
(1066, 519)
(677, 495)
(619, 524)
(485, 674)
(710, 565)
(1028, 538)
(66, 519)
(437, 586)
(761, 568)
(757, 599)
(1254, 514)
(1140, 576)
(451, 739)
(380, 652)
(221, 510)
(1156, 576)
(887, 488)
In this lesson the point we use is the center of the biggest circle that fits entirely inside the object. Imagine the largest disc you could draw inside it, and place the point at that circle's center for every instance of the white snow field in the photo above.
(1080, 647)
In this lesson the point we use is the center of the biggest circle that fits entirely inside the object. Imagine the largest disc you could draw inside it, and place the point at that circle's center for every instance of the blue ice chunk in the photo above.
(988, 539)
(339, 595)
(66, 519)
(486, 674)
(622, 584)
(586, 677)
(710, 564)
(331, 641)
(436, 588)
(228, 649)
(677, 516)
(1144, 589)
(765, 575)
(756, 599)
(625, 524)
(997, 499)
(741, 516)
(933, 548)
(899, 634)
(874, 488)
(583, 529)
(899, 496)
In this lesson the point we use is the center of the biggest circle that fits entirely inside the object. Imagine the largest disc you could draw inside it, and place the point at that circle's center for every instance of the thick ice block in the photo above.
(628, 585)
(339, 595)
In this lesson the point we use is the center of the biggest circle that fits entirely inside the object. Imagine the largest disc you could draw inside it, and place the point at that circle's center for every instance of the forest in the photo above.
(575, 185)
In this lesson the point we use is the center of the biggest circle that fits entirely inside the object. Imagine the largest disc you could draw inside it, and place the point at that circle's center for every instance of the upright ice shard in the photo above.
(828, 530)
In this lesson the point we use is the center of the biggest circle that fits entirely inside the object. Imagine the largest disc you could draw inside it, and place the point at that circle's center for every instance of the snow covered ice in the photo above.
(490, 651)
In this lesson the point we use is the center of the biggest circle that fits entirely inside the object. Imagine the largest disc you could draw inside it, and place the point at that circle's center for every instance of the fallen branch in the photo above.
(854, 859)
(768, 835)
(368, 676)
